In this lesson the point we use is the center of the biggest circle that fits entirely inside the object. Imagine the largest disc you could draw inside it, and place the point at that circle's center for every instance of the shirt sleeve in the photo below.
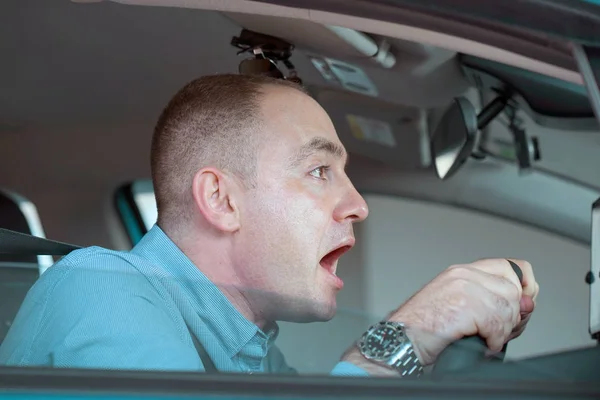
(345, 368)
(110, 318)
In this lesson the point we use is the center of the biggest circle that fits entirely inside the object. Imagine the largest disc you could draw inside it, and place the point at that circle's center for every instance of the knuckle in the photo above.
(459, 301)
(458, 272)
(460, 285)
(503, 305)
(514, 291)
(455, 267)
(496, 261)
(505, 311)
(458, 297)
(526, 265)
(508, 330)
(485, 263)
(494, 326)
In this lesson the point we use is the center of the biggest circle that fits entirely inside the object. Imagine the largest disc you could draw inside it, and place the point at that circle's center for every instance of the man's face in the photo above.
(297, 221)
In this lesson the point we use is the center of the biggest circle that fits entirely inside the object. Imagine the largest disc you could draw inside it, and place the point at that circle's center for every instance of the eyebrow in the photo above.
(316, 145)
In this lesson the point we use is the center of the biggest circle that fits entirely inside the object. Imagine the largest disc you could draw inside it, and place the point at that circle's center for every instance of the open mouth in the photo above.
(329, 261)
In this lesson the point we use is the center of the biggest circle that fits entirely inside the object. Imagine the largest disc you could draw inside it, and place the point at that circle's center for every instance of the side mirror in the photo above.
(453, 140)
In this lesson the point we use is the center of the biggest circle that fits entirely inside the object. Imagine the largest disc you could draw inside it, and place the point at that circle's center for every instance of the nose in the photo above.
(352, 206)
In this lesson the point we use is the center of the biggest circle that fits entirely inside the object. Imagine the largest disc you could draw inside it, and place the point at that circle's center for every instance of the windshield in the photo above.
(262, 205)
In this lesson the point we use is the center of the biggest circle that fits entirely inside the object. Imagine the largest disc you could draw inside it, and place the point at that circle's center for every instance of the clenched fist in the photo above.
(483, 298)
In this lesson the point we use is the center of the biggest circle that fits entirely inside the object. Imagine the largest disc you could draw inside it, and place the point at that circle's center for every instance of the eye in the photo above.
(319, 172)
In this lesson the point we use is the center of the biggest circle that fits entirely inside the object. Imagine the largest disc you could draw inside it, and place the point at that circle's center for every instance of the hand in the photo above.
(482, 298)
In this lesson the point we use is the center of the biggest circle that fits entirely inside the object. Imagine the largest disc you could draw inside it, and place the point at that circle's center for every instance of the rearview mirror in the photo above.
(453, 140)
(259, 66)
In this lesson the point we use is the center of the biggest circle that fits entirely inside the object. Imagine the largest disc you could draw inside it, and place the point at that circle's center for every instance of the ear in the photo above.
(214, 193)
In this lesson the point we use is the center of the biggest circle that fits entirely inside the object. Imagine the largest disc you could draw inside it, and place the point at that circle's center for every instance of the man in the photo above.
(254, 212)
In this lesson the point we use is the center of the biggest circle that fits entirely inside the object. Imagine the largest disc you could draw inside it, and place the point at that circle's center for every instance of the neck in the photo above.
(210, 256)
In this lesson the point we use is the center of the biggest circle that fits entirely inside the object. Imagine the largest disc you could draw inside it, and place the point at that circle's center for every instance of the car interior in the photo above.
(464, 143)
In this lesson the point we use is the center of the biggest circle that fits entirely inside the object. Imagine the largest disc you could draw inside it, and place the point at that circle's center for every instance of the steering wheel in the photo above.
(470, 351)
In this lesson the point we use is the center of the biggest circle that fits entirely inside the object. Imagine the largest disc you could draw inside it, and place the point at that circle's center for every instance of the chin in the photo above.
(326, 317)
(313, 317)
(325, 312)
(321, 312)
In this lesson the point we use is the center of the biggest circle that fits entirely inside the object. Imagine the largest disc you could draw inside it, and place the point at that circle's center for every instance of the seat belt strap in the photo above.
(209, 366)
(17, 243)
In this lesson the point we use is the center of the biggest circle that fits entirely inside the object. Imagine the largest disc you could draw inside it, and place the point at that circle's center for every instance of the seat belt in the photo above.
(209, 366)
(17, 243)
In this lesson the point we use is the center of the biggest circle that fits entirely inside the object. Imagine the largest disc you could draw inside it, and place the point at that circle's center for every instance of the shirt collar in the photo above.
(221, 317)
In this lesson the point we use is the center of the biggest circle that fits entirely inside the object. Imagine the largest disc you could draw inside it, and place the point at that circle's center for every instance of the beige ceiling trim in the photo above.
(390, 29)
(449, 42)
(242, 6)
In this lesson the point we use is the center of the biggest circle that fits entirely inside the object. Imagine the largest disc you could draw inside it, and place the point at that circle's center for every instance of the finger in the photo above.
(496, 319)
(516, 333)
(497, 284)
(525, 313)
(529, 285)
(500, 267)
(523, 321)
(496, 303)
(526, 305)
(497, 332)
(524, 317)
(518, 330)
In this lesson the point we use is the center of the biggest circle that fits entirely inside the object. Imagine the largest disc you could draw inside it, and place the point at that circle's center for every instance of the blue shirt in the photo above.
(99, 308)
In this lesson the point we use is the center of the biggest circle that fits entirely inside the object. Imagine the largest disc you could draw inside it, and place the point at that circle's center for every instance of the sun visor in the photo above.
(392, 134)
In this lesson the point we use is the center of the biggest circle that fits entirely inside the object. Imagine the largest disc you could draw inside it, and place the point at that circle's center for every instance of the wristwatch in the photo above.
(386, 343)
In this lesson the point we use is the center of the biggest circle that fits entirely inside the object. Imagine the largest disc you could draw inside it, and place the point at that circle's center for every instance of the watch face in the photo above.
(381, 341)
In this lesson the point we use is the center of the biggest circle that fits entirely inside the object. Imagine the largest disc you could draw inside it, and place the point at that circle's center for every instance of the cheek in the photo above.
(285, 225)
(305, 204)
(300, 215)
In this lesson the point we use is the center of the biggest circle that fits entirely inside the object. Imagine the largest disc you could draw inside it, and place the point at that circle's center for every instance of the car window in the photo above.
(84, 88)
(403, 234)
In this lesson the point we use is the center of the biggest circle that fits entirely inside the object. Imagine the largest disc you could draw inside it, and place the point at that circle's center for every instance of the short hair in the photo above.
(212, 121)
